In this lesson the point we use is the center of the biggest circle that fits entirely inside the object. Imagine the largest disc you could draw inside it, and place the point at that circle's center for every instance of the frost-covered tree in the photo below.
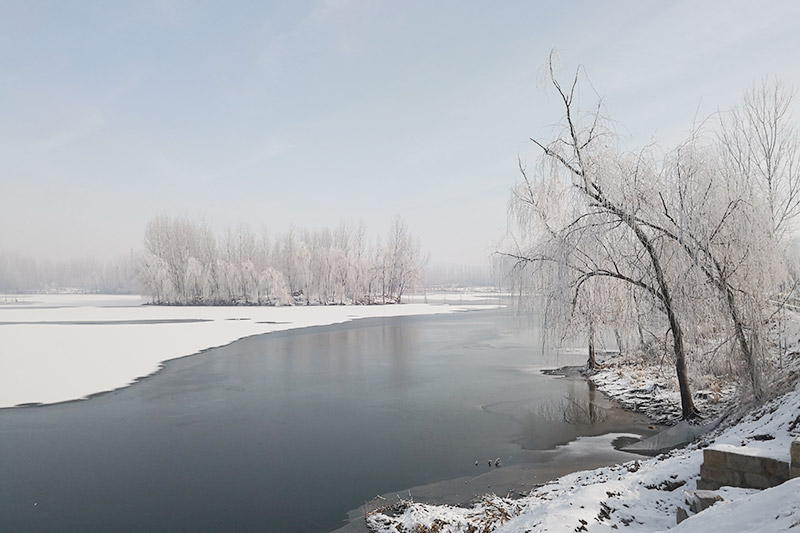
(758, 140)
(730, 200)
(699, 232)
(358, 269)
(598, 237)
(20, 274)
(273, 288)
(403, 261)
(184, 263)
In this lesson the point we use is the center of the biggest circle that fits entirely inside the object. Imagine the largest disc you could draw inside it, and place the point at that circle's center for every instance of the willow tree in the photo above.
(701, 231)
(730, 200)
(580, 223)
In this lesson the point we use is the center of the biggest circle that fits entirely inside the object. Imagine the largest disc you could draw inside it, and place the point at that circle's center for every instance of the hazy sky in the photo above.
(307, 113)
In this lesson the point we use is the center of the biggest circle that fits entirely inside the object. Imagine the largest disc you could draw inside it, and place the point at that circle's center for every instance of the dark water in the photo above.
(288, 431)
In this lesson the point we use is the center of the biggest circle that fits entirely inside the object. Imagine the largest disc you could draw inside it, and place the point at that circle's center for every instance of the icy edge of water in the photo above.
(55, 354)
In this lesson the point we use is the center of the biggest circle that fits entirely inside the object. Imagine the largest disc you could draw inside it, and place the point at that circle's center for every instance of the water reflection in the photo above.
(579, 409)
(575, 409)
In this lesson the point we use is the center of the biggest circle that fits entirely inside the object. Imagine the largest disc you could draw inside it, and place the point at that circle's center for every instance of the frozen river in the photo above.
(288, 431)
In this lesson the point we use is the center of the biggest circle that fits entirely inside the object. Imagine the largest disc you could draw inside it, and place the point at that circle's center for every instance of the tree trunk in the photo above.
(688, 409)
(747, 347)
(592, 362)
(618, 337)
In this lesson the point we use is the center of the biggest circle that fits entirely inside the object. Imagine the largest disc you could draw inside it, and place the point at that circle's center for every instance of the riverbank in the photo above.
(514, 481)
(641, 495)
(596, 448)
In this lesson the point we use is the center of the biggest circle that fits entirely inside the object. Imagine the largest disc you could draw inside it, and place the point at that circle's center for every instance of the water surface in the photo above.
(288, 431)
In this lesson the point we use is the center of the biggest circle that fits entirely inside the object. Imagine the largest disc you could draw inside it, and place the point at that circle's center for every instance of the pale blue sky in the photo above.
(307, 113)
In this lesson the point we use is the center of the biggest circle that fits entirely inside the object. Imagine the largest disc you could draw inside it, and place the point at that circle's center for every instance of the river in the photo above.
(288, 431)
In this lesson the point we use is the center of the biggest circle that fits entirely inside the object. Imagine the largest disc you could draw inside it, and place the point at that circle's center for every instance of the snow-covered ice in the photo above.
(55, 348)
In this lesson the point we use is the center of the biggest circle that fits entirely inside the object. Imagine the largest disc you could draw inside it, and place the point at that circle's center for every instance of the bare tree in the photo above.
(701, 231)
(184, 264)
(759, 142)
(403, 261)
(729, 205)
(601, 235)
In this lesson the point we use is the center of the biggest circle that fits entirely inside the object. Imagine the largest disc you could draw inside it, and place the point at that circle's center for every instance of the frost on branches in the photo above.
(683, 252)
(184, 263)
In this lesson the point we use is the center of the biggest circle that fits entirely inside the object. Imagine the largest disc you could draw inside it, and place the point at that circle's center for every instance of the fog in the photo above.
(304, 115)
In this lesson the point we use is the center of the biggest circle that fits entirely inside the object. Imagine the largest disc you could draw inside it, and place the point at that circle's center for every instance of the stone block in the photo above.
(795, 453)
(710, 474)
(744, 463)
(758, 481)
(701, 500)
(707, 484)
(681, 515)
(794, 472)
(719, 476)
(776, 469)
(714, 459)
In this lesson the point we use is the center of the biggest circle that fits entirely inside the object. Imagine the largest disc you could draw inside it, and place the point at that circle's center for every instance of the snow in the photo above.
(771, 510)
(750, 451)
(641, 496)
(55, 348)
(71, 347)
(653, 390)
(673, 437)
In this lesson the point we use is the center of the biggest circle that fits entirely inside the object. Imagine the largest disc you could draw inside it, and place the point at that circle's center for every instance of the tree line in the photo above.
(20, 274)
(185, 263)
(687, 250)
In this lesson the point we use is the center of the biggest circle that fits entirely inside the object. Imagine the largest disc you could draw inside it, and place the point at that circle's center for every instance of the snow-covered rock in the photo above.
(769, 511)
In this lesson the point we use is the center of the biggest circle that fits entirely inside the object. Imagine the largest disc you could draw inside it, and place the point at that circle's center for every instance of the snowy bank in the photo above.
(60, 348)
(640, 496)
(653, 389)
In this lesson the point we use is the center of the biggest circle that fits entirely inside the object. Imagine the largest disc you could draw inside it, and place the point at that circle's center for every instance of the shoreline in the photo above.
(518, 480)
(650, 492)
(511, 482)
(72, 353)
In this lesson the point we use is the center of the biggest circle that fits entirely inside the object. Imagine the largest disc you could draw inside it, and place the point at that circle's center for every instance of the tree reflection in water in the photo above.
(575, 409)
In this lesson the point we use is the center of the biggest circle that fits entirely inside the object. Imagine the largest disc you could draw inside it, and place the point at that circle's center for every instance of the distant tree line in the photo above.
(20, 274)
(185, 263)
(454, 275)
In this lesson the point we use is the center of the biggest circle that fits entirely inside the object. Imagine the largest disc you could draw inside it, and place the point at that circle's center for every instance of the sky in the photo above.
(300, 113)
